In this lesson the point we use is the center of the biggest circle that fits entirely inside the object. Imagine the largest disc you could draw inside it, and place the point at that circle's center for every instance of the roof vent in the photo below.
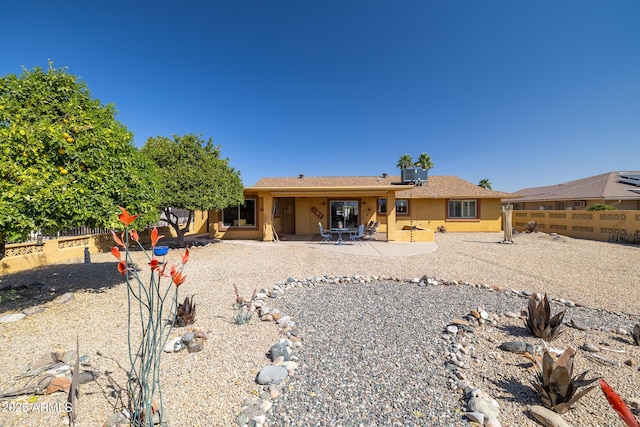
(301, 176)
(384, 175)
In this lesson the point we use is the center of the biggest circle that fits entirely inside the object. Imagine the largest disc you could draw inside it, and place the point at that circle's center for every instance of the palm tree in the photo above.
(485, 183)
(405, 161)
(424, 161)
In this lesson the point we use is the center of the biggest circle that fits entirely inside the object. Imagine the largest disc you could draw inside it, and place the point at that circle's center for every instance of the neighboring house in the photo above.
(407, 211)
(619, 189)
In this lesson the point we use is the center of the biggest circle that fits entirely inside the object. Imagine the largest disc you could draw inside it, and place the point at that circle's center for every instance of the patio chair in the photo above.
(359, 234)
(371, 231)
(326, 236)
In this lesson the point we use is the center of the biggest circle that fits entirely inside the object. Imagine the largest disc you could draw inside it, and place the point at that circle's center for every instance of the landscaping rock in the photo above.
(547, 417)
(271, 374)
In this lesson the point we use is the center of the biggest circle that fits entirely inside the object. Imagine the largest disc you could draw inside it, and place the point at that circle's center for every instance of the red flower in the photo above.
(154, 263)
(134, 235)
(162, 273)
(116, 252)
(179, 279)
(185, 257)
(155, 237)
(125, 218)
(122, 267)
(117, 239)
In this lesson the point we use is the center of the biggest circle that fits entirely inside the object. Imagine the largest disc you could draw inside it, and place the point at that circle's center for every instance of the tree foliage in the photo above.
(64, 158)
(601, 207)
(485, 183)
(194, 176)
(424, 161)
(405, 161)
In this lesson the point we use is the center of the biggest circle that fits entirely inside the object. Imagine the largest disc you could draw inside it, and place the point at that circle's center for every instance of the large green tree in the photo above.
(65, 160)
(194, 177)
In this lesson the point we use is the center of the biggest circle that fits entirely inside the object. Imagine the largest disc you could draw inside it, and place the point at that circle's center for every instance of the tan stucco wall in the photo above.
(432, 213)
(568, 205)
(425, 214)
(25, 256)
(594, 225)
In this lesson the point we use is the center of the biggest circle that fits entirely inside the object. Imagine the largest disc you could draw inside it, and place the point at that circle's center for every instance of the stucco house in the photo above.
(619, 189)
(407, 209)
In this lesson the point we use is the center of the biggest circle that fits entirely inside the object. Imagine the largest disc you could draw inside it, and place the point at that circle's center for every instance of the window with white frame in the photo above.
(462, 209)
(243, 215)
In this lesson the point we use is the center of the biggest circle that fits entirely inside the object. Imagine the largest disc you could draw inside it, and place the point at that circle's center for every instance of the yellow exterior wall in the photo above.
(25, 256)
(199, 223)
(594, 225)
(432, 213)
(306, 220)
(425, 214)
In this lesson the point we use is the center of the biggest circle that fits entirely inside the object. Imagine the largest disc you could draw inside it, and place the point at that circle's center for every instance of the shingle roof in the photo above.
(436, 186)
(605, 186)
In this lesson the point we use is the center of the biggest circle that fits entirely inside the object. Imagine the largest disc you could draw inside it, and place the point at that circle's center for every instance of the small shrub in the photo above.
(243, 309)
(531, 226)
(601, 207)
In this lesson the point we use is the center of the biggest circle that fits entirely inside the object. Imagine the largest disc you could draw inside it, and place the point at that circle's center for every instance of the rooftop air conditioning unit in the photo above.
(415, 175)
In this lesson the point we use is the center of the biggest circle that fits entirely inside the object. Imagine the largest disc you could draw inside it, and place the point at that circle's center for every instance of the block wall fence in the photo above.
(583, 224)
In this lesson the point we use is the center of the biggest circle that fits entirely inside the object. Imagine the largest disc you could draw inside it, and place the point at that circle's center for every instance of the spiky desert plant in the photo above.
(186, 314)
(539, 322)
(635, 334)
(556, 385)
(243, 309)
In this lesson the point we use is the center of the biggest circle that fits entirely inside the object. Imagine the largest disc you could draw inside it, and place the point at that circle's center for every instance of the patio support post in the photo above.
(267, 219)
(391, 216)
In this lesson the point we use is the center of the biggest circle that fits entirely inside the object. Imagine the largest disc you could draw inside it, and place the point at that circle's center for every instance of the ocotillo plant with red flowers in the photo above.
(156, 318)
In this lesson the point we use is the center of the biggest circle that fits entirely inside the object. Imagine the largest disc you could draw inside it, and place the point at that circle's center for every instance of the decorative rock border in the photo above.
(481, 408)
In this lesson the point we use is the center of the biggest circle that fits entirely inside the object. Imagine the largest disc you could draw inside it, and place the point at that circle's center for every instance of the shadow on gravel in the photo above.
(517, 391)
(517, 331)
(30, 288)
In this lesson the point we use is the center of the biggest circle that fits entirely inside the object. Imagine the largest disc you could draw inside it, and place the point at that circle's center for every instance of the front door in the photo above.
(345, 211)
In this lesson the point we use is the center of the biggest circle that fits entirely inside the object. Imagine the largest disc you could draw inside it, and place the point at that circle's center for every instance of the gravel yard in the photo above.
(393, 330)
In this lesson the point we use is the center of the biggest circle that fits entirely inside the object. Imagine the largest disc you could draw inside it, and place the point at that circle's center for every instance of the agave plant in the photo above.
(635, 334)
(186, 313)
(556, 385)
(539, 321)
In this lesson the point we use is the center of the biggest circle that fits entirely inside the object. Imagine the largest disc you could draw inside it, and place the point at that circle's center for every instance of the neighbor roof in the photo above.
(436, 186)
(606, 186)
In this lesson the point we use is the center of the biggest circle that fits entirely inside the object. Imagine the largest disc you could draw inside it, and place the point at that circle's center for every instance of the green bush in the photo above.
(601, 207)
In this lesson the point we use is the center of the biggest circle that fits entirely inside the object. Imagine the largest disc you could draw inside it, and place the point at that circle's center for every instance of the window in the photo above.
(243, 215)
(462, 209)
(402, 206)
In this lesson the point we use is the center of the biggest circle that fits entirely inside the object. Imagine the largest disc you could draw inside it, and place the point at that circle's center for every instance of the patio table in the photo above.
(339, 232)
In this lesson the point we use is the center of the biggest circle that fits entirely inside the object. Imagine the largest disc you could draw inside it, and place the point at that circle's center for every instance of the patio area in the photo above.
(380, 248)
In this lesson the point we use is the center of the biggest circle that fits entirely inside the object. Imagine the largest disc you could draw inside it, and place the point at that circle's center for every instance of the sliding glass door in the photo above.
(345, 211)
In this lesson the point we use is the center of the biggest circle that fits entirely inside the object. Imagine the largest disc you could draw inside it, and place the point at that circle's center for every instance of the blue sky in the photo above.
(520, 93)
